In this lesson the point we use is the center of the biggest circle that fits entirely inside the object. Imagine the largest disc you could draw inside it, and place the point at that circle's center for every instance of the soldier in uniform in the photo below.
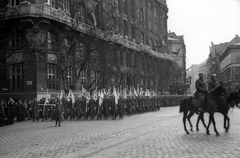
(58, 113)
(213, 83)
(2, 113)
(106, 107)
(77, 105)
(72, 109)
(120, 107)
(99, 108)
(91, 107)
(113, 107)
(200, 96)
(140, 104)
(35, 109)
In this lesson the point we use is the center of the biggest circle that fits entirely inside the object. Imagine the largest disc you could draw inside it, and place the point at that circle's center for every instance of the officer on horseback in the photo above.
(201, 92)
(213, 83)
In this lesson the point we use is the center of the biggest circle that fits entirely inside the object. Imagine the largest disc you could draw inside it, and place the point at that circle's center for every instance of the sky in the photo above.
(203, 21)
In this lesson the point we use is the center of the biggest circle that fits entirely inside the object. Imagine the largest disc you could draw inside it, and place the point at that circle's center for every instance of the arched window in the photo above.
(66, 5)
(80, 12)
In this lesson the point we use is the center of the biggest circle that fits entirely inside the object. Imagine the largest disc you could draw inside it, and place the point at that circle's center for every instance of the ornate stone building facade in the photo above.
(53, 45)
(216, 56)
(177, 47)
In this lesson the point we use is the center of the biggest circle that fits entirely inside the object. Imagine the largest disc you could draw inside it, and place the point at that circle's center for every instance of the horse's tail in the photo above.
(181, 106)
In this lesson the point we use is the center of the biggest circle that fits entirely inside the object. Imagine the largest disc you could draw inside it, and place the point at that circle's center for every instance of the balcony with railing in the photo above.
(26, 9)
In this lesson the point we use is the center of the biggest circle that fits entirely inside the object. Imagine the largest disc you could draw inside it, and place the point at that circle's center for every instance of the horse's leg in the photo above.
(209, 123)
(189, 117)
(212, 119)
(226, 122)
(200, 117)
(184, 121)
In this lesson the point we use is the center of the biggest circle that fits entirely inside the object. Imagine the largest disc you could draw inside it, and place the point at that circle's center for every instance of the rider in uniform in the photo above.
(213, 83)
(201, 92)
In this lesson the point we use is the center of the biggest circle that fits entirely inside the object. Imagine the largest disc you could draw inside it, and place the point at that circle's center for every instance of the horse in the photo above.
(188, 109)
(224, 104)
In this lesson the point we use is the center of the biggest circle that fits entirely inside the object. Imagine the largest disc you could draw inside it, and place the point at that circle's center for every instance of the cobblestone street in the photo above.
(149, 135)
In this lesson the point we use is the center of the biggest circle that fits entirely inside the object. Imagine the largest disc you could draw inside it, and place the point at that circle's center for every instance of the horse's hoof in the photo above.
(208, 133)
(187, 132)
(191, 130)
(197, 129)
(217, 134)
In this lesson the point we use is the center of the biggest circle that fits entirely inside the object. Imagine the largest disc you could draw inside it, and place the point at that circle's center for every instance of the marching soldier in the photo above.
(77, 105)
(91, 107)
(120, 107)
(106, 107)
(35, 109)
(58, 113)
(99, 109)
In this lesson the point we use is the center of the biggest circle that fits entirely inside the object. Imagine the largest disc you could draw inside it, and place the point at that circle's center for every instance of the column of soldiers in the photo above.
(83, 108)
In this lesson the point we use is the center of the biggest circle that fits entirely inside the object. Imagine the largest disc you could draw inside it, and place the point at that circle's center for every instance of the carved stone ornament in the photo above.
(36, 38)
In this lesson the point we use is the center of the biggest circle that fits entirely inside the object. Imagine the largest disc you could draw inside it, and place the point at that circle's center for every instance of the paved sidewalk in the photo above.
(149, 135)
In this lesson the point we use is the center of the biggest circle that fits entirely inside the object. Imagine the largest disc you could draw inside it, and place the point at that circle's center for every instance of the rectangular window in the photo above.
(16, 77)
(52, 76)
(15, 41)
(84, 77)
(47, 2)
(14, 2)
(69, 78)
(97, 78)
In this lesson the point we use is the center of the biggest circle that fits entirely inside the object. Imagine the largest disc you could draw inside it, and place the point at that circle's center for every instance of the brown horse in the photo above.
(188, 109)
(224, 104)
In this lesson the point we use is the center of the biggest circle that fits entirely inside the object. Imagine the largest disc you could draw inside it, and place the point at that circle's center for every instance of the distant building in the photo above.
(230, 66)
(194, 73)
(213, 63)
(177, 48)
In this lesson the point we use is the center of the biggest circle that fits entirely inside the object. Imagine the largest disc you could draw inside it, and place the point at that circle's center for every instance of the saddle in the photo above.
(198, 99)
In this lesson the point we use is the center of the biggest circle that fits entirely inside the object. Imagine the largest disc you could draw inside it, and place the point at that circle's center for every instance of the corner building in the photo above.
(130, 35)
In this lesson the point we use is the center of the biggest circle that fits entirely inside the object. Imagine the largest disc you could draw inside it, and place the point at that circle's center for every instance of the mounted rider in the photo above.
(201, 92)
(213, 82)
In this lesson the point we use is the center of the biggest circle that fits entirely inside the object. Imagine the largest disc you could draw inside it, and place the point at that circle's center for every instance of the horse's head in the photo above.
(224, 88)
(219, 90)
(233, 98)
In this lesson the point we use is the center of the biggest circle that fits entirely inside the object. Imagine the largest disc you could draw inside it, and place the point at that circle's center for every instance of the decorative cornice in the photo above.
(62, 16)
